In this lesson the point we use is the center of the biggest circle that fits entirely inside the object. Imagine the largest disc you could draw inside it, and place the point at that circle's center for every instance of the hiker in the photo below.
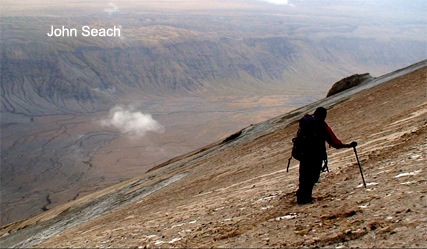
(317, 132)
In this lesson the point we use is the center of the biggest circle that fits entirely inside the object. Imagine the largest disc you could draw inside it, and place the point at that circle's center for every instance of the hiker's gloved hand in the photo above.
(352, 144)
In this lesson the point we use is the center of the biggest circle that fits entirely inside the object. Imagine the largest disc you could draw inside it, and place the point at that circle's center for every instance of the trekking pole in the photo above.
(325, 166)
(360, 167)
(289, 163)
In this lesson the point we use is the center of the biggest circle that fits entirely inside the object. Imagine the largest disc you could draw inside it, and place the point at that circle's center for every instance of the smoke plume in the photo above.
(128, 121)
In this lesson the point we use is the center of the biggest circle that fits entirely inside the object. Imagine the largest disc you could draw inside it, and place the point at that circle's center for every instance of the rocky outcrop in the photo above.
(349, 82)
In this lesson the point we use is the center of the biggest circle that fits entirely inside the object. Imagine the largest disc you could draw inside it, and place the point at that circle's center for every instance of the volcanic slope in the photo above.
(237, 193)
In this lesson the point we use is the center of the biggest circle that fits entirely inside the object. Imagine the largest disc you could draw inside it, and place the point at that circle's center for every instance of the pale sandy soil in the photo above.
(240, 195)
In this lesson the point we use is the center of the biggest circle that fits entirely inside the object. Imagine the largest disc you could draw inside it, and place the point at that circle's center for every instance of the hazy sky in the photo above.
(284, 2)
(415, 6)
(412, 9)
(394, 12)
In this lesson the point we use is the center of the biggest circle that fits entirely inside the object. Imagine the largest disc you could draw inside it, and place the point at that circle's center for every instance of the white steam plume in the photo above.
(111, 8)
(129, 121)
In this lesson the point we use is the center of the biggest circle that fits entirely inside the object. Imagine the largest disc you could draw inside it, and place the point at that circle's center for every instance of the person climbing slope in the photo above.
(312, 134)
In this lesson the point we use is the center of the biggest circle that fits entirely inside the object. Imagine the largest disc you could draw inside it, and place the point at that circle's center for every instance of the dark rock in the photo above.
(349, 82)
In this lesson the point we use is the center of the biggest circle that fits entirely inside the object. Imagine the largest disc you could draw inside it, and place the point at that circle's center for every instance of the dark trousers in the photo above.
(309, 173)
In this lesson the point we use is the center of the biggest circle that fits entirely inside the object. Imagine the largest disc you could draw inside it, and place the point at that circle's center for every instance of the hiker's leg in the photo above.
(309, 173)
(316, 170)
(305, 183)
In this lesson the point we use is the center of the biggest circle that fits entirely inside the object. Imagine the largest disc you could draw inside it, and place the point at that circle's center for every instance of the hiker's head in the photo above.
(320, 113)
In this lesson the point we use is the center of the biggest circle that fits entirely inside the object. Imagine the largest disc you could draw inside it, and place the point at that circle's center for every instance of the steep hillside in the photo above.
(237, 193)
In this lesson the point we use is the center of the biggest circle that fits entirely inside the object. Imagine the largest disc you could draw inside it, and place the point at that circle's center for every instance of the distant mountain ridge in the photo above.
(47, 78)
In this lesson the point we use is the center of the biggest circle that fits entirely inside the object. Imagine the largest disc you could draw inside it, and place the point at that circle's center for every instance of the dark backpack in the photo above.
(309, 139)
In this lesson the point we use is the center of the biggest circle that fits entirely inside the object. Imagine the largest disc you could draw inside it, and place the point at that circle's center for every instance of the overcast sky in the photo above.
(413, 9)
(369, 7)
